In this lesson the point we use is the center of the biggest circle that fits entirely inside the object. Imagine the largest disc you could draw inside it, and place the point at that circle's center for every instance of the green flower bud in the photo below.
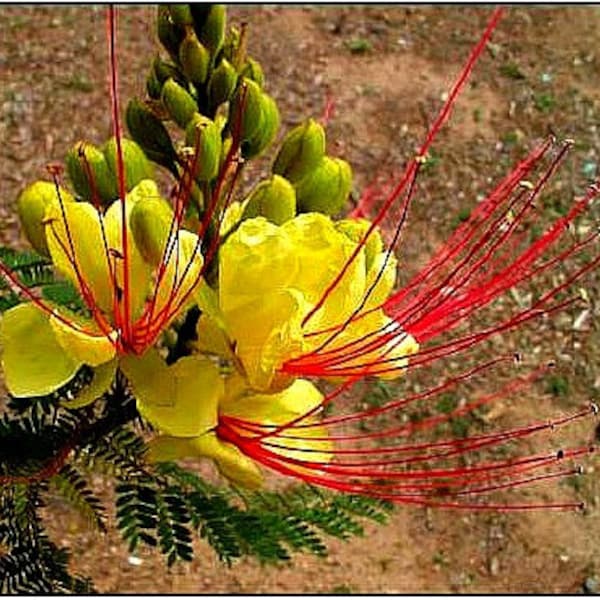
(150, 222)
(164, 70)
(31, 207)
(136, 165)
(274, 199)
(149, 132)
(263, 138)
(355, 229)
(260, 118)
(178, 102)
(83, 161)
(194, 59)
(203, 136)
(253, 71)
(209, 23)
(326, 188)
(153, 85)
(181, 14)
(232, 44)
(169, 34)
(301, 151)
(221, 84)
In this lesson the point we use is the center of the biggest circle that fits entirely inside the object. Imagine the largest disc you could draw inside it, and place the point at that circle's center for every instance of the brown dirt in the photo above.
(541, 74)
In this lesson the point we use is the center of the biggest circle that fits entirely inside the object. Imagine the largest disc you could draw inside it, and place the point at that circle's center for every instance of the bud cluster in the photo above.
(304, 179)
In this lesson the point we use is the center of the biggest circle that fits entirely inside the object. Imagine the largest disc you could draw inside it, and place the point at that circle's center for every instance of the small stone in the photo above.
(494, 566)
(135, 561)
(591, 585)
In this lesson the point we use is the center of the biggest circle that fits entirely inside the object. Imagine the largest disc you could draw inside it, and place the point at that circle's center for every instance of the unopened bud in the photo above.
(326, 188)
(136, 165)
(150, 222)
(149, 132)
(209, 23)
(153, 85)
(259, 118)
(181, 14)
(274, 199)
(204, 136)
(31, 207)
(90, 174)
(169, 34)
(253, 71)
(301, 151)
(232, 45)
(194, 59)
(221, 84)
(178, 102)
(164, 70)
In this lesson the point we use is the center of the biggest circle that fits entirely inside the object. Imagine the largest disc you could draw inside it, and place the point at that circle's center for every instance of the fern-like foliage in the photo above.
(33, 563)
(35, 272)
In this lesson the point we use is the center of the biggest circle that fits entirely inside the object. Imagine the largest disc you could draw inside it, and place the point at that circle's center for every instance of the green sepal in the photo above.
(221, 84)
(150, 133)
(301, 151)
(326, 188)
(179, 103)
(194, 59)
(104, 183)
(136, 165)
(274, 199)
(204, 137)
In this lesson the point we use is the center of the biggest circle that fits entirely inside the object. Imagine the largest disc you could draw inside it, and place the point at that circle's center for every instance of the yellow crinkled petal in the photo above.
(83, 340)
(230, 461)
(100, 383)
(77, 247)
(283, 407)
(33, 361)
(322, 252)
(267, 331)
(181, 399)
(257, 260)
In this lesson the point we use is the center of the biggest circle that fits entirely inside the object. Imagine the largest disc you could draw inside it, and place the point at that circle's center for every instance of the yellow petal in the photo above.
(317, 243)
(83, 340)
(230, 461)
(34, 363)
(267, 331)
(181, 275)
(181, 399)
(281, 408)
(387, 360)
(77, 249)
(100, 383)
(257, 260)
(138, 270)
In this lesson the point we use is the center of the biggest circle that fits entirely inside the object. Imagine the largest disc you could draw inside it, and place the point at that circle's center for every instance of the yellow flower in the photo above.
(45, 345)
(271, 277)
(197, 413)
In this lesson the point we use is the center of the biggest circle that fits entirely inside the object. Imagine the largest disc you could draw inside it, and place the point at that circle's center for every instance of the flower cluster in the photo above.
(294, 306)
